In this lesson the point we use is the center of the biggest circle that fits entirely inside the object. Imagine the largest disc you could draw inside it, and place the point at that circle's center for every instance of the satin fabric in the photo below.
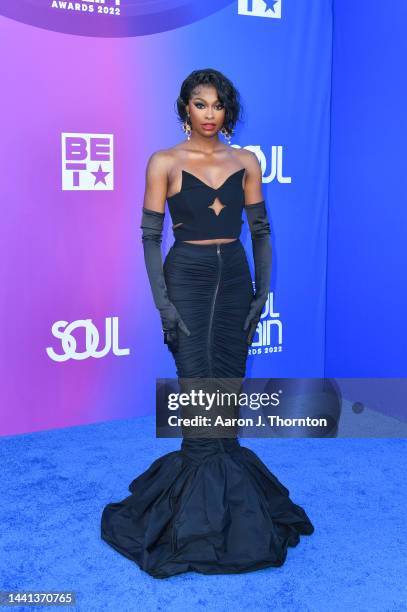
(212, 506)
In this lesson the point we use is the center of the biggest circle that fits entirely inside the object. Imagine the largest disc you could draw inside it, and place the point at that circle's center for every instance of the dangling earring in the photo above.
(186, 126)
(227, 134)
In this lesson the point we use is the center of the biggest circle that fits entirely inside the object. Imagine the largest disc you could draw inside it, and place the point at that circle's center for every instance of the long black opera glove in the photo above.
(152, 225)
(261, 244)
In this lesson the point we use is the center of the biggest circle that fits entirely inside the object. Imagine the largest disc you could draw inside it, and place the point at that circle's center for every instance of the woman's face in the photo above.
(207, 113)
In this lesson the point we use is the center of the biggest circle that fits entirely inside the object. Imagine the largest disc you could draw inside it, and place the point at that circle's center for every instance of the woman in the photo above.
(213, 506)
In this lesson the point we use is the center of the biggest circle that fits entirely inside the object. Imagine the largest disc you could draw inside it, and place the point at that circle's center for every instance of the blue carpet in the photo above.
(56, 483)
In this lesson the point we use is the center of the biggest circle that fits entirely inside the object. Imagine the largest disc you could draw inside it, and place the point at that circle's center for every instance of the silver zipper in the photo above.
(218, 253)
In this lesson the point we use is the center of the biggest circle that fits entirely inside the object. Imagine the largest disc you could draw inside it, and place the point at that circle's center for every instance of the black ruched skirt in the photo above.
(213, 506)
(211, 287)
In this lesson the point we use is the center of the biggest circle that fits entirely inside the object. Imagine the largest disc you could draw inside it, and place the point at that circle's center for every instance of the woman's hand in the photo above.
(253, 318)
(172, 321)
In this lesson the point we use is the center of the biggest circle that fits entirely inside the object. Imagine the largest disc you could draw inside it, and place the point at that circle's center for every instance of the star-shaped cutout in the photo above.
(217, 206)
(100, 176)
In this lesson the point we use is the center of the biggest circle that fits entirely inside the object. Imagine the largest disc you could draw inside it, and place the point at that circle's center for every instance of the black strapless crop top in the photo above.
(201, 212)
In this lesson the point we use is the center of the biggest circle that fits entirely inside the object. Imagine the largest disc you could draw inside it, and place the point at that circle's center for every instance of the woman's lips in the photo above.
(208, 126)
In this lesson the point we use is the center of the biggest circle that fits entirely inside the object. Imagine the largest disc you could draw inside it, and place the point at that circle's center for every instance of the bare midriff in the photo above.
(214, 241)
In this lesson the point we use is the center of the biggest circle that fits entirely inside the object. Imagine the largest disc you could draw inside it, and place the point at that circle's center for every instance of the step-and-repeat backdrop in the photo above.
(88, 94)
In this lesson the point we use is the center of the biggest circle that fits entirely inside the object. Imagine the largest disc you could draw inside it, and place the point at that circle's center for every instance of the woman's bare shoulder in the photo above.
(248, 159)
(164, 158)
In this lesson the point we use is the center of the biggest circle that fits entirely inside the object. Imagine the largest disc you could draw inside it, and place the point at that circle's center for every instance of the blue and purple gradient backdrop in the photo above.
(69, 255)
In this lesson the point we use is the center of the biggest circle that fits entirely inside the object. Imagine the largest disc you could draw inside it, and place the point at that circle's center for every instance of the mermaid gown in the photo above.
(212, 506)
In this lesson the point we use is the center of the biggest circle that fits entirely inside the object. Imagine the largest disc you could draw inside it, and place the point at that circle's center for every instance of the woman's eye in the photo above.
(199, 105)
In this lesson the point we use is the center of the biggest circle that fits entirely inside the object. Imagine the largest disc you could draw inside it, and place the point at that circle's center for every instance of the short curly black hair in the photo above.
(227, 94)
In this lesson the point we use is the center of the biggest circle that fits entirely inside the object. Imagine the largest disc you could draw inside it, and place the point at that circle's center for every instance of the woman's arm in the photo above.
(156, 182)
(254, 179)
(152, 225)
(256, 212)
